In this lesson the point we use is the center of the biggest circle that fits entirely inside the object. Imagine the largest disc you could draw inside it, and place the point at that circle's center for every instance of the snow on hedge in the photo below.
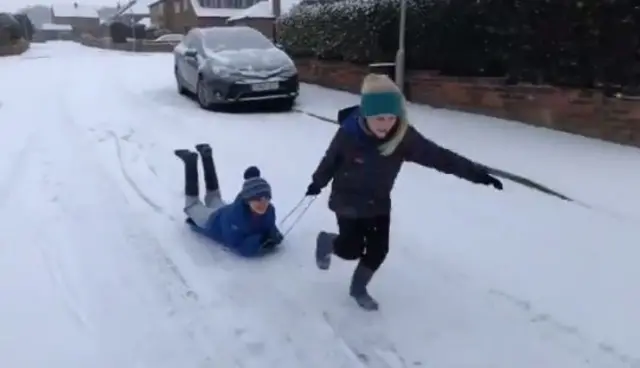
(342, 30)
(351, 7)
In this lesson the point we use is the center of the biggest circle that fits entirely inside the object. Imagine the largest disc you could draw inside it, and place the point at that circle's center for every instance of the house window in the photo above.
(176, 7)
(185, 5)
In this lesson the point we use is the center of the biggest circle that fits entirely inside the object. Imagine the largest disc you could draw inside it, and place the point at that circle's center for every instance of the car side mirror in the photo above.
(191, 53)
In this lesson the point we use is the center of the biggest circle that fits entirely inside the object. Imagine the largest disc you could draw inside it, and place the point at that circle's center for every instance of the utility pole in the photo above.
(400, 55)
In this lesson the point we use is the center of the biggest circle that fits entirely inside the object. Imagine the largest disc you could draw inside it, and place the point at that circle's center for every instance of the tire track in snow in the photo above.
(16, 169)
(547, 319)
(188, 302)
(132, 183)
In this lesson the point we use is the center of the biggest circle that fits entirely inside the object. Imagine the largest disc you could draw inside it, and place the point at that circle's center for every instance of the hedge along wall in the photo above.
(333, 43)
(584, 44)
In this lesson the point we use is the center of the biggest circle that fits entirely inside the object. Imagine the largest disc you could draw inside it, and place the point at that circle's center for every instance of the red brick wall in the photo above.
(583, 112)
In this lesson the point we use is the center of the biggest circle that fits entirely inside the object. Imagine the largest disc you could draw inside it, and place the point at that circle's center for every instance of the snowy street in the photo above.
(97, 268)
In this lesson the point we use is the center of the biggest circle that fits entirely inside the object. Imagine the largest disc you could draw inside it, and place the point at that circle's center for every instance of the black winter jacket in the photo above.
(363, 178)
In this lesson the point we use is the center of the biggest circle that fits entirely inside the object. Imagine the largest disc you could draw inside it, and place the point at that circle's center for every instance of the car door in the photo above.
(194, 58)
(181, 58)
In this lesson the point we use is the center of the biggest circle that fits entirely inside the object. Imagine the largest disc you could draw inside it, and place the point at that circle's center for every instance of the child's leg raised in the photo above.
(212, 197)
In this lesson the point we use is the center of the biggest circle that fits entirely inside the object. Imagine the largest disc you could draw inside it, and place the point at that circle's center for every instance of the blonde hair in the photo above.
(381, 83)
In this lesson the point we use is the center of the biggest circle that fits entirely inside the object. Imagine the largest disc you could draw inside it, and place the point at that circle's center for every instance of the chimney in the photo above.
(75, 5)
(276, 8)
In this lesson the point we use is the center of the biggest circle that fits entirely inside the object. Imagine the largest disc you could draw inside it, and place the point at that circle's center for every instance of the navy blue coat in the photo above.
(241, 230)
(363, 178)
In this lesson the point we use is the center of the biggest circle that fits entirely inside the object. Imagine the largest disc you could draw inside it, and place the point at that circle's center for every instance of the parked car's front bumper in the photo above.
(230, 91)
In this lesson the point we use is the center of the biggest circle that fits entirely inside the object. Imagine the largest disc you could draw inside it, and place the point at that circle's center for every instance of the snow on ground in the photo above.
(97, 268)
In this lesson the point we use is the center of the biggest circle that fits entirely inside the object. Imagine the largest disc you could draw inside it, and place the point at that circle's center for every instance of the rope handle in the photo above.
(300, 208)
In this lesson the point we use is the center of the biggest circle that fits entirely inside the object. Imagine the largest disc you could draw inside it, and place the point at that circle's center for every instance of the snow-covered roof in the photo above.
(145, 22)
(264, 9)
(56, 27)
(213, 12)
(74, 10)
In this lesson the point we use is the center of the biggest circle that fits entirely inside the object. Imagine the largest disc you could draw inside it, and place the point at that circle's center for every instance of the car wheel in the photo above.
(203, 95)
(181, 89)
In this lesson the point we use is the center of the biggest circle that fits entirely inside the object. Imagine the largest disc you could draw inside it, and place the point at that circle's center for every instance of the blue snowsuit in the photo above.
(241, 230)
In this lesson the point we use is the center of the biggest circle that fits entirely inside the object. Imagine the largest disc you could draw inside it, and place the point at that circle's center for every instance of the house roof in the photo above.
(203, 12)
(74, 10)
(264, 9)
(56, 27)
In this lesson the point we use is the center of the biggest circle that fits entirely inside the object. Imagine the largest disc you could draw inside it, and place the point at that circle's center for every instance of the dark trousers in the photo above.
(366, 239)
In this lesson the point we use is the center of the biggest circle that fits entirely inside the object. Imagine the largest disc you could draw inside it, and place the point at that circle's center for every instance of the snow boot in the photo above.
(210, 175)
(190, 160)
(358, 290)
(324, 249)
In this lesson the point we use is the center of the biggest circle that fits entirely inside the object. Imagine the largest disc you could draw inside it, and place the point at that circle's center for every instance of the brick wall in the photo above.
(138, 46)
(583, 112)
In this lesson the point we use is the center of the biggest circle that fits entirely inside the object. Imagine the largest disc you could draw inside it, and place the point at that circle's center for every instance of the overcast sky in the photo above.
(13, 5)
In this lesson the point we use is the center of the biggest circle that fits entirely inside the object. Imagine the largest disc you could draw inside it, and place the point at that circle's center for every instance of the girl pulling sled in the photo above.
(363, 160)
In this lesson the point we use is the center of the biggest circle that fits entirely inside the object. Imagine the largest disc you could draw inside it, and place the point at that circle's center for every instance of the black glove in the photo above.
(490, 180)
(313, 190)
(269, 244)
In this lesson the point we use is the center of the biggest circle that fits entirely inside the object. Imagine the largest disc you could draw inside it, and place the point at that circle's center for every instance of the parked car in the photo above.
(171, 37)
(223, 65)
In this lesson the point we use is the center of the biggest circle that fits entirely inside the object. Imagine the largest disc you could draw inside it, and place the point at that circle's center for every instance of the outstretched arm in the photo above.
(426, 153)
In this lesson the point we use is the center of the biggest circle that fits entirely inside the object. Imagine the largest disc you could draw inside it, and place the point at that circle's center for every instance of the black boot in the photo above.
(190, 160)
(361, 277)
(210, 175)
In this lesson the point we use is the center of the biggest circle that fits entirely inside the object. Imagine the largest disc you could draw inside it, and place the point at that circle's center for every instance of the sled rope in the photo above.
(300, 208)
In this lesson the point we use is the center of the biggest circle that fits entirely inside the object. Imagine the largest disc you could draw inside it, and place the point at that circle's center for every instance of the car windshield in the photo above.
(235, 39)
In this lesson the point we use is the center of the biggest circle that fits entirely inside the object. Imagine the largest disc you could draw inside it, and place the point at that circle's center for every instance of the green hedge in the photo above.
(564, 42)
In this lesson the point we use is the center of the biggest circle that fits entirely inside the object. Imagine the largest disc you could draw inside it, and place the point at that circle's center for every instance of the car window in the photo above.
(193, 41)
(188, 38)
(231, 38)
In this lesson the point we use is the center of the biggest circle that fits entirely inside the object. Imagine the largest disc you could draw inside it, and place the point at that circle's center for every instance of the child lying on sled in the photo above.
(246, 226)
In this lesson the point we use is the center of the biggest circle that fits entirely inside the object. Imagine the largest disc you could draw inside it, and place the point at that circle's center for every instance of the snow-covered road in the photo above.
(98, 270)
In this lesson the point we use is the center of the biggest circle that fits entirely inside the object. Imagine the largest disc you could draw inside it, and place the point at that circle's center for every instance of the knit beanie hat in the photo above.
(254, 187)
(380, 95)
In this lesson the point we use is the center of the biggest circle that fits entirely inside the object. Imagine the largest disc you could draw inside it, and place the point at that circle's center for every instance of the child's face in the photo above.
(381, 125)
(259, 206)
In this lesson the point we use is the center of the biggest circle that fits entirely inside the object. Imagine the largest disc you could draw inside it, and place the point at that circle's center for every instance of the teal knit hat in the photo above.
(378, 103)
(380, 95)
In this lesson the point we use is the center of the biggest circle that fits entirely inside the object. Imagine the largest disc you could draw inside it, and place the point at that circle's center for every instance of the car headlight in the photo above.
(223, 71)
(289, 71)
